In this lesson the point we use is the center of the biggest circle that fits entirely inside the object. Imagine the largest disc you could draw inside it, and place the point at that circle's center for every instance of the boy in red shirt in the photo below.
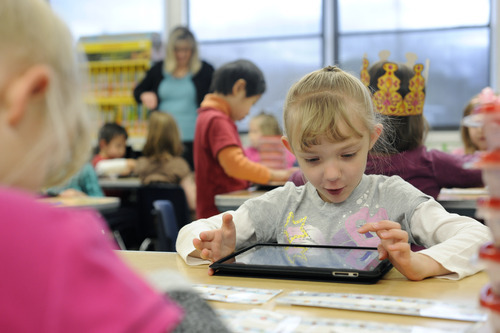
(220, 163)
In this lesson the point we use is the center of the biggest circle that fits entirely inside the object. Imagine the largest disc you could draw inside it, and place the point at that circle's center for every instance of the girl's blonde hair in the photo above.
(318, 102)
(268, 124)
(469, 146)
(163, 136)
(170, 62)
(32, 34)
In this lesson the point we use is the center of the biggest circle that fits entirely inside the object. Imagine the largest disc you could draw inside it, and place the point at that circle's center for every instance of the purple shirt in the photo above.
(427, 170)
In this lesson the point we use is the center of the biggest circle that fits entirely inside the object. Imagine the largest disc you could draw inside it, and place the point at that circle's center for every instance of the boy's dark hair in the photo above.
(406, 132)
(110, 130)
(226, 76)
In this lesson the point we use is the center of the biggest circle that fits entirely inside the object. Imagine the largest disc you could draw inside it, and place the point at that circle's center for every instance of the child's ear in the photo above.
(240, 86)
(287, 144)
(377, 131)
(30, 85)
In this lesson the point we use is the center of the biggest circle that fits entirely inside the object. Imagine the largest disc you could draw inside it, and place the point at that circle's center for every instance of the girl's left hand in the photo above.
(394, 246)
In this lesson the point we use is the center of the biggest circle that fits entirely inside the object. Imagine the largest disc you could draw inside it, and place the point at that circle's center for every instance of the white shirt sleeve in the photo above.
(111, 167)
(450, 239)
(245, 233)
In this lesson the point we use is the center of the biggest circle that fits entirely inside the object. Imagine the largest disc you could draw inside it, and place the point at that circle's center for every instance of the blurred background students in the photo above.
(265, 126)
(221, 165)
(112, 144)
(399, 95)
(161, 160)
(83, 183)
(178, 84)
(473, 139)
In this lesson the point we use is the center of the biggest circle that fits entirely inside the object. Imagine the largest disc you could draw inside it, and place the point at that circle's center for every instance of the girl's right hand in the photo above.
(216, 244)
(149, 100)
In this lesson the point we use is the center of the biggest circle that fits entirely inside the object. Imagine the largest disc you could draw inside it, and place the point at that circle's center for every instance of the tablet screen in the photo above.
(359, 259)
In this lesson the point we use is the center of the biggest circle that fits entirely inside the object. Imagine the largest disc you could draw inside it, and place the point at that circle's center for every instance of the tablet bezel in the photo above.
(301, 272)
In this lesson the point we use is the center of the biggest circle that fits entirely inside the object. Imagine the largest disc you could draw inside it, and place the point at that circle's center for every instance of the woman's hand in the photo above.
(394, 246)
(149, 100)
(216, 244)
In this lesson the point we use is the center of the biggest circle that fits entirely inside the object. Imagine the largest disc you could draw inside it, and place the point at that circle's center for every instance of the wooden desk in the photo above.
(127, 183)
(462, 201)
(465, 291)
(102, 204)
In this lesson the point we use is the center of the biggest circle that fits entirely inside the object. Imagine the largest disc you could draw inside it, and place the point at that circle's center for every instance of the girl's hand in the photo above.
(216, 244)
(149, 100)
(394, 246)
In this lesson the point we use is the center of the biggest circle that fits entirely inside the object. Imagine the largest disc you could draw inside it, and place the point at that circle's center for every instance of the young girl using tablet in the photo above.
(330, 127)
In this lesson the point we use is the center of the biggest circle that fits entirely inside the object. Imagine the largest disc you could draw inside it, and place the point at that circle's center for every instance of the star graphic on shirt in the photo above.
(289, 225)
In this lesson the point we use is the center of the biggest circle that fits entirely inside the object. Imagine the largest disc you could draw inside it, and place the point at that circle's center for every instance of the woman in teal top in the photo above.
(177, 85)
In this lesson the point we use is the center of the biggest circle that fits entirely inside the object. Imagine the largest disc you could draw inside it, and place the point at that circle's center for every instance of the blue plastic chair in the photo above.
(167, 225)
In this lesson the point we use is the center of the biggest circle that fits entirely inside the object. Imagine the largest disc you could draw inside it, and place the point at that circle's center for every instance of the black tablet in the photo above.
(310, 262)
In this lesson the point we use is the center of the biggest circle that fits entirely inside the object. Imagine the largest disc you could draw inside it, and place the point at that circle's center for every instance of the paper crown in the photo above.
(386, 99)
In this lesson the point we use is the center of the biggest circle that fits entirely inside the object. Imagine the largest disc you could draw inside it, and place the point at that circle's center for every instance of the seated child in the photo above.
(112, 143)
(162, 159)
(330, 126)
(405, 154)
(83, 183)
(220, 163)
(61, 270)
(261, 127)
(473, 139)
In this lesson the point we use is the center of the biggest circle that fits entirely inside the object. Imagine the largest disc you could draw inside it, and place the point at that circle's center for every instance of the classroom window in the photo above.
(453, 35)
(100, 17)
(283, 37)
(287, 40)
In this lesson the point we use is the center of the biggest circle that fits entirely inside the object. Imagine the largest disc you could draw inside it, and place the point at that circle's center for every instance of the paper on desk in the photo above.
(261, 321)
(231, 294)
(386, 304)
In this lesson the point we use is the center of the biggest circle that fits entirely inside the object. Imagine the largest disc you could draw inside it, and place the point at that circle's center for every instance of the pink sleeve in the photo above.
(91, 282)
(252, 154)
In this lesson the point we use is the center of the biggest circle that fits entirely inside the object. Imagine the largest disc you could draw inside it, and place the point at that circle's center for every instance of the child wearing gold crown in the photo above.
(399, 95)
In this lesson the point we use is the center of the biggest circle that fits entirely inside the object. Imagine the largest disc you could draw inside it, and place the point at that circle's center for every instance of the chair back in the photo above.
(147, 194)
(166, 224)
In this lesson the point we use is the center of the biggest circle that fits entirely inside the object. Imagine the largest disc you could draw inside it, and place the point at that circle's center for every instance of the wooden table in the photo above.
(465, 291)
(102, 204)
(232, 200)
(462, 201)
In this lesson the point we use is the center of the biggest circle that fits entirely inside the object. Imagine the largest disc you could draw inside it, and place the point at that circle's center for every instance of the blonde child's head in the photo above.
(330, 127)
(473, 138)
(163, 136)
(41, 106)
(263, 124)
(317, 103)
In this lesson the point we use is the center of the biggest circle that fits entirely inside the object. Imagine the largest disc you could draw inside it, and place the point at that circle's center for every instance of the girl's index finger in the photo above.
(379, 225)
(370, 226)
